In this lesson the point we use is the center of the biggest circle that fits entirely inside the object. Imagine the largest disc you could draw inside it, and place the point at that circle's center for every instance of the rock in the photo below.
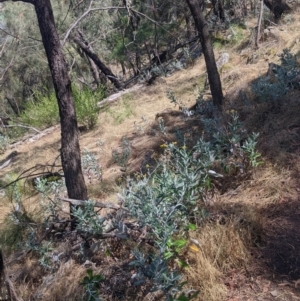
(274, 293)
(271, 32)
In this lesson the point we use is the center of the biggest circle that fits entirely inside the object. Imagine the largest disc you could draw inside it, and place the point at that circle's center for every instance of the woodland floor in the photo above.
(273, 272)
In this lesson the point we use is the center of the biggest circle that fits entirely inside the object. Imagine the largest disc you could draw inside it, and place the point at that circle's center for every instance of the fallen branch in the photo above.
(22, 126)
(97, 204)
(116, 96)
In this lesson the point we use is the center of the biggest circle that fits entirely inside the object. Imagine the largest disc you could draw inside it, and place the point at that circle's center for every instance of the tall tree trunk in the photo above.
(70, 150)
(85, 48)
(212, 70)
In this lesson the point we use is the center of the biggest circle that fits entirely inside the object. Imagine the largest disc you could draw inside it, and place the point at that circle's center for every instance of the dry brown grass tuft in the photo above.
(223, 248)
(63, 285)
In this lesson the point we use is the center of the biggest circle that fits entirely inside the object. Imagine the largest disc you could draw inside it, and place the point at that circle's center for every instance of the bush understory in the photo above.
(168, 240)
(159, 235)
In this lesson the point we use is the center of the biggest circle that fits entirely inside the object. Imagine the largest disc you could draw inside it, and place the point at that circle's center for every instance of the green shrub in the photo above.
(45, 113)
(91, 285)
(86, 105)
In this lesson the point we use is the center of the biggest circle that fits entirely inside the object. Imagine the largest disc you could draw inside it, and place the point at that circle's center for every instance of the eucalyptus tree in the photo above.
(70, 150)
(211, 66)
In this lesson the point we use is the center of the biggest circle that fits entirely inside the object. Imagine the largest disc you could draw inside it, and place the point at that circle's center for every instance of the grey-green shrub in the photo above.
(273, 91)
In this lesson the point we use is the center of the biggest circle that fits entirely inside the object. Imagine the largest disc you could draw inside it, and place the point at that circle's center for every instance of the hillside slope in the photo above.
(264, 204)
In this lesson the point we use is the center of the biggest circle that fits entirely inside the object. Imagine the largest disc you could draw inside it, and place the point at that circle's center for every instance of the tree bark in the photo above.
(218, 9)
(259, 24)
(100, 79)
(212, 70)
(97, 61)
(277, 7)
(13, 104)
(70, 150)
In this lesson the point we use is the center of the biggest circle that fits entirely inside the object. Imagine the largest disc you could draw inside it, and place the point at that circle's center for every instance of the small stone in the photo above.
(274, 293)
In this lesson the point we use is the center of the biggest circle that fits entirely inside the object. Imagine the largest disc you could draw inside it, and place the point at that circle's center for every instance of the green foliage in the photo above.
(12, 233)
(44, 250)
(43, 113)
(49, 189)
(123, 111)
(155, 269)
(86, 105)
(122, 156)
(166, 199)
(87, 219)
(161, 126)
(170, 199)
(4, 142)
(90, 165)
(91, 285)
(273, 90)
(234, 149)
(16, 222)
(174, 247)
(249, 147)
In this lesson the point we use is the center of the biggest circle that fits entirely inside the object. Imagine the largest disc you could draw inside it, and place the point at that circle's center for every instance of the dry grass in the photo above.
(224, 247)
(237, 222)
(62, 285)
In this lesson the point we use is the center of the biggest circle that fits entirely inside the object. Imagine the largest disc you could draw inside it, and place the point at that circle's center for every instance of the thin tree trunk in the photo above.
(259, 23)
(97, 61)
(95, 72)
(13, 104)
(70, 150)
(212, 70)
